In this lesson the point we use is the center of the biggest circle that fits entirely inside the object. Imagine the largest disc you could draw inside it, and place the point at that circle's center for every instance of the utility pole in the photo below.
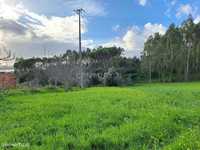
(79, 12)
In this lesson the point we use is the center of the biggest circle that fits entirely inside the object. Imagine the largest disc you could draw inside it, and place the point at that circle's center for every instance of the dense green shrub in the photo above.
(95, 79)
(112, 78)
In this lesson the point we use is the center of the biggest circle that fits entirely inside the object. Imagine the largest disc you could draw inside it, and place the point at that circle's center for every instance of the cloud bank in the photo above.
(27, 32)
(133, 40)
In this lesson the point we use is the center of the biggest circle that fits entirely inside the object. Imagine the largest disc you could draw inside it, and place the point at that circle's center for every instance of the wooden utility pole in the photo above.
(79, 12)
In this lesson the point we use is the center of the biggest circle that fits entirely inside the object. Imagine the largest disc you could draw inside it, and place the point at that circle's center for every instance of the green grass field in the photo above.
(149, 116)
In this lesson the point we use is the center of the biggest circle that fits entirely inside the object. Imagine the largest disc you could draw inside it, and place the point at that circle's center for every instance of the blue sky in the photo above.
(27, 27)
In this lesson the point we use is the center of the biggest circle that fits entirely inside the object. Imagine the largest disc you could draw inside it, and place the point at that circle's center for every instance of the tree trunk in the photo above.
(187, 65)
(150, 69)
(172, 65)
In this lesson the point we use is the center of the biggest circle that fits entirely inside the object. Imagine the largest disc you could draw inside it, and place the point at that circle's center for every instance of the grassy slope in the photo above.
(150, 116)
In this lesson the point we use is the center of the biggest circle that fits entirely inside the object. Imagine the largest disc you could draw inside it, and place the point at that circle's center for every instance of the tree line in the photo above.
(100, 66)
(172, 57)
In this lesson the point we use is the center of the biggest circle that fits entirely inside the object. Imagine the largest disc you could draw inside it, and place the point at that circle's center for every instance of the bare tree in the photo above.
(64, 72)
(5, 54)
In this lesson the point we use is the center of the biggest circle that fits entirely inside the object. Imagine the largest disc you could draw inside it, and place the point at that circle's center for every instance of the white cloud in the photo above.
(116, 28)
(185, 9)
(197, 19)
(63, 29)
(142, 2)
(9, 11)
(133, 40)
(27, 32)
(150, 28)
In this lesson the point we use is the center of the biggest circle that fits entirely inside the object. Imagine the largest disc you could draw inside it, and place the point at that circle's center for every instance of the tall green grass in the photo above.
(149, 116)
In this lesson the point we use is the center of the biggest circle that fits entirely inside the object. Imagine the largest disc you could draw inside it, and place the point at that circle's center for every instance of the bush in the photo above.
(95, 79)
(112, 78)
